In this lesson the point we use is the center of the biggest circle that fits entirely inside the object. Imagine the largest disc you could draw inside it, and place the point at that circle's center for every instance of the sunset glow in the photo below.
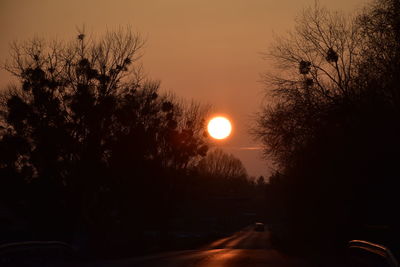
(219, 128)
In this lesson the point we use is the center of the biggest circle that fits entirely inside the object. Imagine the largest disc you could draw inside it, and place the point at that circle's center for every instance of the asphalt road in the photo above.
(244, 248)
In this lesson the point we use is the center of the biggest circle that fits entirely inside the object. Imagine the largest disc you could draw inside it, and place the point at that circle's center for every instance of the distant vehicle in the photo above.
(35, 253)
(259, 227)
(365, 253)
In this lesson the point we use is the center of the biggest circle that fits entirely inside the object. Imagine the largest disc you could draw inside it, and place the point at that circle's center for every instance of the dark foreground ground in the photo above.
(244, 248)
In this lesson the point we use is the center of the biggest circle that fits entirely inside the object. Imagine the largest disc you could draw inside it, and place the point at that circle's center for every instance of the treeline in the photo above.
(333, 129)
(93, 154)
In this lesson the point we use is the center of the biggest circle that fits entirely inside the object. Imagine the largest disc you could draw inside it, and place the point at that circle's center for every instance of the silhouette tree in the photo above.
(316, 66)
(90, 138)
(260, 181)
(219, 164)
(332, 126)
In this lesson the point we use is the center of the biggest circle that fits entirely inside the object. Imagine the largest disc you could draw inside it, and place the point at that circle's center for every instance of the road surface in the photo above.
(244, 248)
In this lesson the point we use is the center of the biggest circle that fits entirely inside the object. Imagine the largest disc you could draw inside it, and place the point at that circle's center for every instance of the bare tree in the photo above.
(84, 121)
(111, 59)
(219, 164)
(316, 67)
(320, 55)
(332, 124)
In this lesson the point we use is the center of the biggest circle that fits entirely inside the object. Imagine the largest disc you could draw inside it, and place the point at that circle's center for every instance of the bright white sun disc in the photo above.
(219, 127)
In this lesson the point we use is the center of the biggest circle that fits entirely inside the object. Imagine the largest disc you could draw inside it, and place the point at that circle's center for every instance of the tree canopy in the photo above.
(333, 122)
(87, 132)
(91, 149)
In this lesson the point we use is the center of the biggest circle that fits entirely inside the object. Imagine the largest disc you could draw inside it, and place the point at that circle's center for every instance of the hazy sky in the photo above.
(206, 50)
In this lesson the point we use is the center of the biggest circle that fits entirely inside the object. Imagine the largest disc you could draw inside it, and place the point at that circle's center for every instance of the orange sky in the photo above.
(206, 50)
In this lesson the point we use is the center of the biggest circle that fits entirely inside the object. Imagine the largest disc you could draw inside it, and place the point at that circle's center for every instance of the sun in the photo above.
(219, 127)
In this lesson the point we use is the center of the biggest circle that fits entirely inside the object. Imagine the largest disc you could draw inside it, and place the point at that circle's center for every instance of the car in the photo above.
(259, 227)
(365, 253)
